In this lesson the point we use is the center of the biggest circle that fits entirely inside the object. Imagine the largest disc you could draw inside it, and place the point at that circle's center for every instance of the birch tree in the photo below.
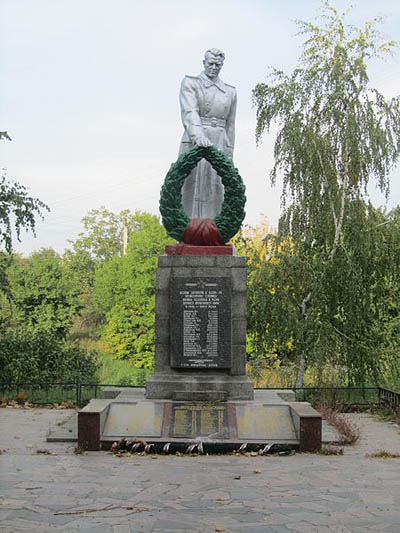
(336, 134)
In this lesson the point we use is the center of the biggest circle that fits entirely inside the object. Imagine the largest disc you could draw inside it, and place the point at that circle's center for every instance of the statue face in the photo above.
(212, 67)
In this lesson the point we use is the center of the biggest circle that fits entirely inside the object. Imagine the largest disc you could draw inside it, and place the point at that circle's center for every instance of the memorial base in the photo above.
(203, 386)
(199, 394)
(165, 426)
(200, 329)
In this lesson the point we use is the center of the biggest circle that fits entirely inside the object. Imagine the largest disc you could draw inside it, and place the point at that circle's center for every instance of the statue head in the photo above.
(213, 61)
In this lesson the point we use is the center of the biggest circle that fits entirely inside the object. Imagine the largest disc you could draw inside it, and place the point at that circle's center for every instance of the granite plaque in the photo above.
(201, 323)
(198, 420)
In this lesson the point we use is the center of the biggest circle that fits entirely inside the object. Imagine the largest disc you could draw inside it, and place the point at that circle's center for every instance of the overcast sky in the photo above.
(89, 94)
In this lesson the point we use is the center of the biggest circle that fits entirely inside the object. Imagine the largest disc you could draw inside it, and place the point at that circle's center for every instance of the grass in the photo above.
(386, 414)
(330, 450)
(120, 372)
(383, 454)
(114, 371)
(348, 431)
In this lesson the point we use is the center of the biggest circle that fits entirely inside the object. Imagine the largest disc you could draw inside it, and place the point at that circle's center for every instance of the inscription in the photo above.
(198, 420)
(201, 323)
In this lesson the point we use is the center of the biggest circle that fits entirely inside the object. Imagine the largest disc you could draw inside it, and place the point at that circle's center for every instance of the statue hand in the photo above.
(202, 140)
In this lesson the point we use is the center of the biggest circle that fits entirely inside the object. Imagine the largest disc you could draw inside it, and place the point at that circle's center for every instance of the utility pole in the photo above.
(124, 238)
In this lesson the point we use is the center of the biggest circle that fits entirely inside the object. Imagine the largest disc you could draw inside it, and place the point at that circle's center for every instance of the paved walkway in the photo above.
(99, 492)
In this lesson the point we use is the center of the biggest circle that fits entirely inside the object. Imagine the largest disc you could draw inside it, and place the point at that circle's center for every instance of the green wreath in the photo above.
(232, 213)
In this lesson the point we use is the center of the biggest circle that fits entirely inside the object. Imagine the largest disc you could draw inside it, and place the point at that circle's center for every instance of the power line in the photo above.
(142, 177)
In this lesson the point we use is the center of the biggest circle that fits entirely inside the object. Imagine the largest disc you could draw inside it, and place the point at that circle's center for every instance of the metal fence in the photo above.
(80, 394)
(51, 393)
(389, 398)
(338, 397)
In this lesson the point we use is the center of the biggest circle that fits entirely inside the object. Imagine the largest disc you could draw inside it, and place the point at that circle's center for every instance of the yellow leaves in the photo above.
(253, 236)
(252, 243)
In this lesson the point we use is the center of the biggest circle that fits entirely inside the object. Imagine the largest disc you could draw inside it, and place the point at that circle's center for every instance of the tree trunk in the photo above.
(302, 365)
(301, 372)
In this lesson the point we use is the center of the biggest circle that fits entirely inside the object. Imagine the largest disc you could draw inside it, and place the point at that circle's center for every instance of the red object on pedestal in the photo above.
(202, 232)
(189, 249)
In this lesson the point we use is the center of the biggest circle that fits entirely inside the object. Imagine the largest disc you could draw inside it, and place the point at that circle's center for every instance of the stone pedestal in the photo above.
(200, 330)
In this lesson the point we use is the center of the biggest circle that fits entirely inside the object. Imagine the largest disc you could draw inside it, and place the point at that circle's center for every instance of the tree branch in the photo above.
(339, 222)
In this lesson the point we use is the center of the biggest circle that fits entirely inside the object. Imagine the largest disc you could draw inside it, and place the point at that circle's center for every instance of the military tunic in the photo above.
(210, 107)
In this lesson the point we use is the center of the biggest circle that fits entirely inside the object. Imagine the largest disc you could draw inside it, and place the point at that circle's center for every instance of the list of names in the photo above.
(201, 331)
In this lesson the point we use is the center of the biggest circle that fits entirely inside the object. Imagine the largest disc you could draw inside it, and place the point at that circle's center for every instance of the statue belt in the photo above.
(214, 122)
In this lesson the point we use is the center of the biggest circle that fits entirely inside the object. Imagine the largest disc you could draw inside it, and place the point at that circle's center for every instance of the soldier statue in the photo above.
(208, 109)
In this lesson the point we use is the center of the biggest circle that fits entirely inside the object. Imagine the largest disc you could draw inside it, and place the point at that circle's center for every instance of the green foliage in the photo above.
(43, 297)
(46, 297)
(119, 371)
(17, 211)
(353, 323)
(37, 307)
(79, 268)
(364, 304)
(335, 131)
(335, 135)
(5, 295)
(100, 243)
(103, 231)
(124, 290)
(107, 286)
(39, 357)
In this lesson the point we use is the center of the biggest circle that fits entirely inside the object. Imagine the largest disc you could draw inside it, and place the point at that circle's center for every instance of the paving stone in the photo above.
(5, 514)
(17, 524)
(303, 492)
(312, 506)
(45, 518)
(303, 527)
(316, 519)
(168, 525)
(338, 528)
(121, 529)
(199, 504)
(385, 527)
(257, 528)
(86, 525)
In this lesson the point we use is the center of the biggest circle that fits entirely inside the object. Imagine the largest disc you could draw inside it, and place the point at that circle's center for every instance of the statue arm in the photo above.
(190, 113)
(230, 121)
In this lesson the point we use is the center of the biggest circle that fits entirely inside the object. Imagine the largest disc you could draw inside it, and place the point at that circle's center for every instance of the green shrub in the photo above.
(41, 357)
(43, 295)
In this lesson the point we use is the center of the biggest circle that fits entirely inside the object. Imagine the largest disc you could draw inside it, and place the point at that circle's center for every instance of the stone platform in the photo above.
(266, 420)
